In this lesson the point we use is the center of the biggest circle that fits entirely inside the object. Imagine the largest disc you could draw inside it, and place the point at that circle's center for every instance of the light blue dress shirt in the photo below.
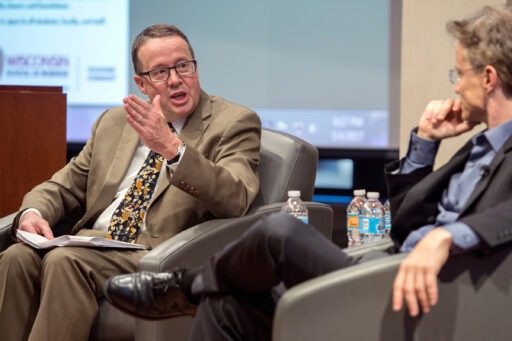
(422, 153)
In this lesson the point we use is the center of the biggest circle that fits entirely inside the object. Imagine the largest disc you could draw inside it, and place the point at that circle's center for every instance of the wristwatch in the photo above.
(181, 150)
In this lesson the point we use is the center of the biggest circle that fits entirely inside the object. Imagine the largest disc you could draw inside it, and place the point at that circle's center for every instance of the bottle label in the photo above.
(352, 221)
(303, 219)
(387, 221)
(373, 225)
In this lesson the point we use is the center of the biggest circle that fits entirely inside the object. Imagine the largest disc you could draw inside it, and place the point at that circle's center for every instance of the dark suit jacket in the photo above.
(216, 176)
(414, 197)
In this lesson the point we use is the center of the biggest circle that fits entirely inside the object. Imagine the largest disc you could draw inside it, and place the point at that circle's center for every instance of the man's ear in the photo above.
(140, 84)
(491, 79)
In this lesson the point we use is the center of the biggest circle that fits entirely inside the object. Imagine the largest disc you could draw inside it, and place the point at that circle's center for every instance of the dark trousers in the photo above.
(236, 285)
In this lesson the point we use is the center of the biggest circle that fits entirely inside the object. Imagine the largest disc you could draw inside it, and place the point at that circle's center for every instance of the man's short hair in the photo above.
(155, 31)
(487, 40)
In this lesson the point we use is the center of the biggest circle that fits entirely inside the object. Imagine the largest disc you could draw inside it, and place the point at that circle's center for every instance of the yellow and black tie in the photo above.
(127, 218)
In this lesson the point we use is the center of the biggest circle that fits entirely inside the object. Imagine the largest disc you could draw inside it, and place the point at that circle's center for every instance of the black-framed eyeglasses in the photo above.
(455, 74)
(162, 74)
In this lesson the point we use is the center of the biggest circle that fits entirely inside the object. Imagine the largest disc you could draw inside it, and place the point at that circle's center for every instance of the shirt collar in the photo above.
(178, 125)
(497, 136)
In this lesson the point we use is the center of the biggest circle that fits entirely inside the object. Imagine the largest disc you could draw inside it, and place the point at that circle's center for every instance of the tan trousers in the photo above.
(53, 295)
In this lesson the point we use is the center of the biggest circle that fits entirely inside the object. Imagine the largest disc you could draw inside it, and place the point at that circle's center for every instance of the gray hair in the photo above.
(487, 40)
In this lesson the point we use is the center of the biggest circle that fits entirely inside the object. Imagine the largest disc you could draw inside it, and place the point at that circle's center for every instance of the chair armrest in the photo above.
(320, 215)
(5, 228)
(334, 298)
(381, 245)
(197, 244)
(355, 303)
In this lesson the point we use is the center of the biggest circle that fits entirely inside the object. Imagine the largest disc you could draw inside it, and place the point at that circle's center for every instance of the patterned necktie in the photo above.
(128, 216)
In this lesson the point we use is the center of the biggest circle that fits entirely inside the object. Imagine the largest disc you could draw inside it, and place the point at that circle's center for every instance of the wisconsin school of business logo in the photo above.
(1, 61)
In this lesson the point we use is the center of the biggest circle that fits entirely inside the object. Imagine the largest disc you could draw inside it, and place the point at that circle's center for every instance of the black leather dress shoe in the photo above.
(149, 295)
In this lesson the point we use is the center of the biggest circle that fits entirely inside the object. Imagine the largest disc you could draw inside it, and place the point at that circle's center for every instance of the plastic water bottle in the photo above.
(387, 217)
(353, 217)
(372, 227)
(296, 207)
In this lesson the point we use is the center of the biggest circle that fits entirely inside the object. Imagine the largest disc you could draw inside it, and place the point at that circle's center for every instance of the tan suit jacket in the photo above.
(216, 176)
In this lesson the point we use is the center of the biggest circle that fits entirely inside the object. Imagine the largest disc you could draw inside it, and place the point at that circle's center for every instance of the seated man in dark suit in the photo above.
(462, 206)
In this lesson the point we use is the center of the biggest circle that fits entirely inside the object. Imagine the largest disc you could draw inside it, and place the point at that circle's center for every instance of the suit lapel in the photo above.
(119, 164)
(484, 182)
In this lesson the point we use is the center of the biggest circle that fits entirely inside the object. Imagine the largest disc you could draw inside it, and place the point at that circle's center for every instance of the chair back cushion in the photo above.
(286, 163)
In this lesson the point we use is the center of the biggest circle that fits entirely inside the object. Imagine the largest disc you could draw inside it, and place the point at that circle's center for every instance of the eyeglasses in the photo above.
(162, 74)
(455, 74)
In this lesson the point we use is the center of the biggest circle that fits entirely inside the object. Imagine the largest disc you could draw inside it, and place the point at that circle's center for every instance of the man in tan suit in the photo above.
(209, 170)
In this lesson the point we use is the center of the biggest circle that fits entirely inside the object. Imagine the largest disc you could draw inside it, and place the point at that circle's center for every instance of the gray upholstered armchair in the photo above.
(287, 163)
(475, 303)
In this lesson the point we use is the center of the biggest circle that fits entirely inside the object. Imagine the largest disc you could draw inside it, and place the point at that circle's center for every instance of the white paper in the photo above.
(40, 242)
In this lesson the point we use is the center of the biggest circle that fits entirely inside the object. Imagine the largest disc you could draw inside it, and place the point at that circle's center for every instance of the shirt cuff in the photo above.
(30, 210)
(414, 237)
(463, 237)
(173, 165)
(421, 153)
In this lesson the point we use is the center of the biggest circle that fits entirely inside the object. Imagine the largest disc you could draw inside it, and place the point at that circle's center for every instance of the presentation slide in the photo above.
(318, 70)
(81, 45)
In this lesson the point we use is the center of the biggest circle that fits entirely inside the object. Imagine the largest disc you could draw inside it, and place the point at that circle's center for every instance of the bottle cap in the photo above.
(359, 192)
(373, 195)
(294, 194)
